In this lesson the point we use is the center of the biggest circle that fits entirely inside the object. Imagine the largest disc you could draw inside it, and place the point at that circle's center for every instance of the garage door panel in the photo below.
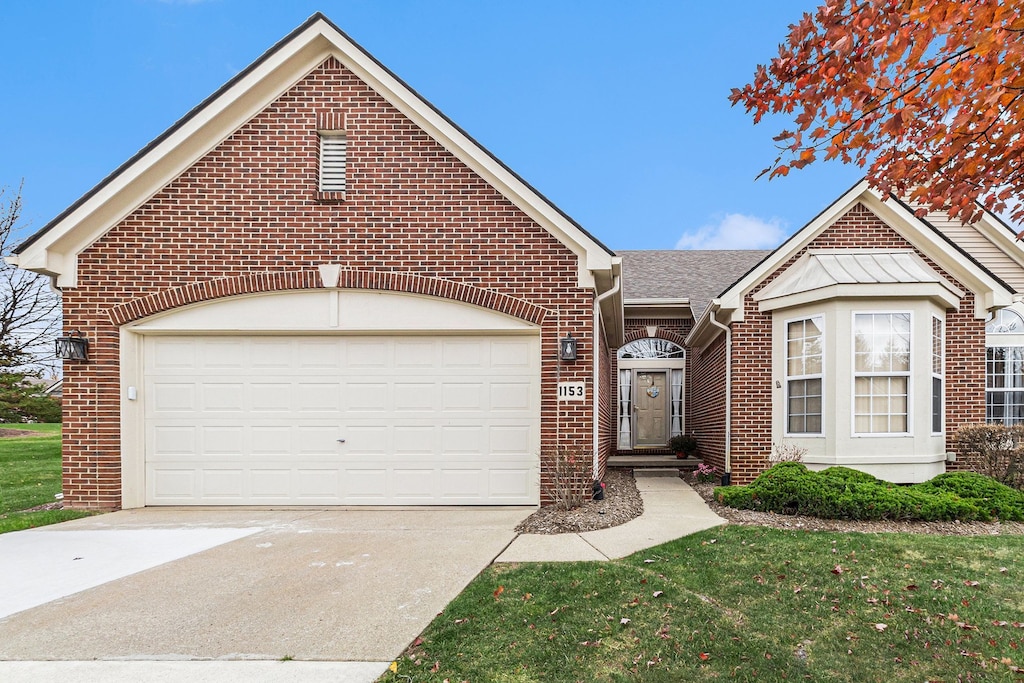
(342, 420)
(222, 396)
(271, 485)
(224, 484)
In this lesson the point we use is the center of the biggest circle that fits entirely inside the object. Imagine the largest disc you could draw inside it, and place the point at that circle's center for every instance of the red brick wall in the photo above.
(668, 328)
(606, 405)
(707, 401)
(752, 377)
(252, 206)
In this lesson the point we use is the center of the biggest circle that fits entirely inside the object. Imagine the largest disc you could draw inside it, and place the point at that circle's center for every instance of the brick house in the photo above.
(317, 289)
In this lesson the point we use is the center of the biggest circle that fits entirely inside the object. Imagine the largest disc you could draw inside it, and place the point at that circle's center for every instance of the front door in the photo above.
(651, 402)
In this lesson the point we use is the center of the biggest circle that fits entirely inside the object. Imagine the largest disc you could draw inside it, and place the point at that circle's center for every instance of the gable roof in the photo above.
(990, 290)
(54, 249)
(697, 274)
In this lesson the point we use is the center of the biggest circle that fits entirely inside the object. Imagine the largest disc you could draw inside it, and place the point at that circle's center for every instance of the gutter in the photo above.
(715, 303)
(616, 284)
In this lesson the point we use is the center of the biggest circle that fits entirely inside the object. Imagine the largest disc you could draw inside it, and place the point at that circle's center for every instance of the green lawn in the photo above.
(742, 604)
(30, 475)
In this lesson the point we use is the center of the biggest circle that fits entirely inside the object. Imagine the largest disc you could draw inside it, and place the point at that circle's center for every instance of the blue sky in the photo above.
(617, 112)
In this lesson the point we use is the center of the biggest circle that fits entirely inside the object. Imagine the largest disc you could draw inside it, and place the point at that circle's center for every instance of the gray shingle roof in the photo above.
(699, 275)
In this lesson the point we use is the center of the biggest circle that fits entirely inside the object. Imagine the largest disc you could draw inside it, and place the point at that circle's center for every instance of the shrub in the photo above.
(998, 499)
(996, 451)
(683, 443)
(789, 488)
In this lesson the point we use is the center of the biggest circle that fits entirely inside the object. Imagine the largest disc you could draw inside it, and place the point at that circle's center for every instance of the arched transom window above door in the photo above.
(651, 347)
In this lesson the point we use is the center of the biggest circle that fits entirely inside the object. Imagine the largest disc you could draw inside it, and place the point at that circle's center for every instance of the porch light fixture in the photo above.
(567, 348)
(72, 347)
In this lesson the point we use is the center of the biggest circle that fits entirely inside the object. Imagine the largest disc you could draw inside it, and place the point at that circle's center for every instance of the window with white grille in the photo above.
(333, 151)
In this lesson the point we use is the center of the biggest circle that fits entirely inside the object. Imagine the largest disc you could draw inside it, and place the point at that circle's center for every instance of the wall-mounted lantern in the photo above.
(72, 347)
(567, 348)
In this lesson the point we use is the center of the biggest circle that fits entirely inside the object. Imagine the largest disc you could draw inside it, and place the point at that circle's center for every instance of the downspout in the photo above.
(616, 283)
(727, 476)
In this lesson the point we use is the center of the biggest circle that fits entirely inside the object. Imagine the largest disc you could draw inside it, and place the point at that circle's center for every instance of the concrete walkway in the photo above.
(671, 510)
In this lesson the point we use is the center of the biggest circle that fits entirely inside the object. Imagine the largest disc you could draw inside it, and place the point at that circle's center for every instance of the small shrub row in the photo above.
(789, 488)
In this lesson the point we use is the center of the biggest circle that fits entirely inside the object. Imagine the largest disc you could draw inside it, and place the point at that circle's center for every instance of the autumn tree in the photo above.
(928, 95)
(29, 322)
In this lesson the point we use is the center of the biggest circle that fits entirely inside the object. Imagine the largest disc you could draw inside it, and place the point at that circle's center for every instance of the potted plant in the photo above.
(683, 445)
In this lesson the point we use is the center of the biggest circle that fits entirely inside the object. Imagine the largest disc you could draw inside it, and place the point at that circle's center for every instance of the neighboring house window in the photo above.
(881, 373)
(1004, 385)
(333, 152)
(938, 340)
(1004, 369)
(804, 376)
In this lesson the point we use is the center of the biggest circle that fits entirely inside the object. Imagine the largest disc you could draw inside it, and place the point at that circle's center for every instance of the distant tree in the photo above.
(927, 94)
(29, 322)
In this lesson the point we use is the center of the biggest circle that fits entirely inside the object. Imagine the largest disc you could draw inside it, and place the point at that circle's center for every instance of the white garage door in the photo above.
(415, 420)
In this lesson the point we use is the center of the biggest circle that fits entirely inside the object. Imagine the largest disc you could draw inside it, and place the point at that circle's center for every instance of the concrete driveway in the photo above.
(328, 585)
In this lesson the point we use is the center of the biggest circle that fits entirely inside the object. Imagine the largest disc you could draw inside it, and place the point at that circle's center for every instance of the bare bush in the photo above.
(787, 452)
(994, 450)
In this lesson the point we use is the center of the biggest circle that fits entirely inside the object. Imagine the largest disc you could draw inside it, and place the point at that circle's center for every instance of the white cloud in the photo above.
(736, 231)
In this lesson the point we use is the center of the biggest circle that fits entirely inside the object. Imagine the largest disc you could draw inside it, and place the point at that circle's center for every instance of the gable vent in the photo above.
(333, 149)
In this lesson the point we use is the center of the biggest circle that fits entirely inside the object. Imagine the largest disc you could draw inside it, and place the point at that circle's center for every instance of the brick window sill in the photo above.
(330, 197)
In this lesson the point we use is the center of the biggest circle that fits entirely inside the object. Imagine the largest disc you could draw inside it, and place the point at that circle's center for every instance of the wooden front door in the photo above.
(651, 401)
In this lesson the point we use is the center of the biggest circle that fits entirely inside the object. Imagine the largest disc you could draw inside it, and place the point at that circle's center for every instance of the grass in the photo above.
(30, 475)
(742, 604)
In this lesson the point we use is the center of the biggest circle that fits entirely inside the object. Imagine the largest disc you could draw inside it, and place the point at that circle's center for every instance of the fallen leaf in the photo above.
(461, 621)
(881, 627)
(394, 667)
(498, 592)
(704, 656)
(971, 583)
(417, 642)
(624, 620)
(527, 596)
(837, 570)
(658, 594)
(437, 667)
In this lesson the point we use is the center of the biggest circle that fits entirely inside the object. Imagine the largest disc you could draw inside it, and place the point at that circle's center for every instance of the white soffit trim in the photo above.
(990, 292)
(55, 251)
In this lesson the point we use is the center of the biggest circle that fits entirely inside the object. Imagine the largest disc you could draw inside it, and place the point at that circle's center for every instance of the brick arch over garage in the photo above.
(662, 333)
(258, 283)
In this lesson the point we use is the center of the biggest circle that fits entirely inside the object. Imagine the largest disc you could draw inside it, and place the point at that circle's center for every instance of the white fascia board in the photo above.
(221, 117)
(989, 291)
(202, 132)
(592, 256)
(999, 235)
(703, 332)
(733, 298)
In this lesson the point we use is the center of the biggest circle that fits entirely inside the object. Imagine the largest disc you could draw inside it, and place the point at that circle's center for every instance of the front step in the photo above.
(656, 472)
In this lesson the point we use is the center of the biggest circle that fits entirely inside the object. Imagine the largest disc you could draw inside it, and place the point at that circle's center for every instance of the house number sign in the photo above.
(572, 391)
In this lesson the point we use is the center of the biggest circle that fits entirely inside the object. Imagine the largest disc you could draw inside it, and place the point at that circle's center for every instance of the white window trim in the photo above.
(786, 377)
(854, 375)
(1004, 389)
(941, 376)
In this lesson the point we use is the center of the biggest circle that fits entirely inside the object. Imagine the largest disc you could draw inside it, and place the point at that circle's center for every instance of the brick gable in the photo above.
(251, 206)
